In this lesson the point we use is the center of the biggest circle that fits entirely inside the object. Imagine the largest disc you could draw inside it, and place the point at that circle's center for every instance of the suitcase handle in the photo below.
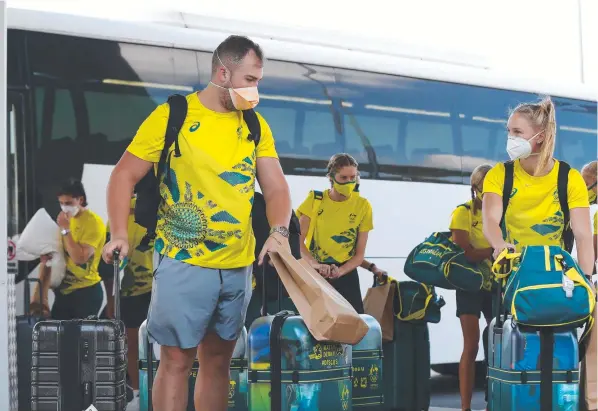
(27, 299)
(116, 262)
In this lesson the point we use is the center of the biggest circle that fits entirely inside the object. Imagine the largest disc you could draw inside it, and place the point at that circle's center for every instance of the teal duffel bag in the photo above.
(439, 262)
(545, 288)
(417, 303)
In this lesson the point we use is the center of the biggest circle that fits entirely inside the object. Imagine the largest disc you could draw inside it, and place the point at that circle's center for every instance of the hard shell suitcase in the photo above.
(290, 370)
(25, 324)
(367, 369)
(237, 394)
(406, 367)
(531, 369)
(79, 363)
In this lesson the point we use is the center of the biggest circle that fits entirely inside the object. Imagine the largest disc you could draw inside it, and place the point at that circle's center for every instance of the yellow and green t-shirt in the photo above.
(206, 217)
(534, 215)
(87, 228)
(337, 226)
(465, 219)
(138, 273)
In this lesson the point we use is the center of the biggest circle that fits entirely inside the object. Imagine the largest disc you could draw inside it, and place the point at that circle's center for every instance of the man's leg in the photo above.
(183, 300)
(215, 351)
(211, 387)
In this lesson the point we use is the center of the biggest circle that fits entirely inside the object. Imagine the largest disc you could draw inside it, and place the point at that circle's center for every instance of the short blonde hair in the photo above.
(590, 169)
(542, 116)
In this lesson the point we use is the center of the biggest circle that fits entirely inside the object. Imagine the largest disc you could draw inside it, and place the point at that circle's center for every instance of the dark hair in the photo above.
(339, 161)
(234, 49)
(73, 188)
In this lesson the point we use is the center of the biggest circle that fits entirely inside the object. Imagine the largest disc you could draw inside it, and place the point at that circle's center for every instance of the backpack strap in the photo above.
(562, 183)
(176, 119)
(506, 191)
(253, 124)
(318, 196)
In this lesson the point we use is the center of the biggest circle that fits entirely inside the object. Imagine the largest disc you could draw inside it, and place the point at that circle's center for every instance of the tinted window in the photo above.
(14, 73)
(87, 110)
(576, 133)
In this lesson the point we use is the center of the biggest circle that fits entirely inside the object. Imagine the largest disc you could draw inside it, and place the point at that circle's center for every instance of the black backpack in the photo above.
(261, 230)
(148, 189)
(562, 182)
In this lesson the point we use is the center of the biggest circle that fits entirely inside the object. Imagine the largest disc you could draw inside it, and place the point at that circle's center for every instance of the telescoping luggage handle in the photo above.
(116, 262)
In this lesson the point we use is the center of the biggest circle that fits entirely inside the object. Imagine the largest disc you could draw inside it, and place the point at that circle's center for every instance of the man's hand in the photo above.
(63, 220)
(273, 243)
(120, 244)
(44, 259)
(378, 272)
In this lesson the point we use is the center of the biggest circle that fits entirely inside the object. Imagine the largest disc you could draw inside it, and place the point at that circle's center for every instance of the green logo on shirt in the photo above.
(194, 127)
(513, 193)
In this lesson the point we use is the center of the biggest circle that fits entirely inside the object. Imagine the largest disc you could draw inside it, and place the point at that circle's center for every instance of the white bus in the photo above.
(78, 88)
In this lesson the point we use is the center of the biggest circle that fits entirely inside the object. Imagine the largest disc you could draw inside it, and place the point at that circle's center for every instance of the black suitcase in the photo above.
(25, 324)
(79, 363)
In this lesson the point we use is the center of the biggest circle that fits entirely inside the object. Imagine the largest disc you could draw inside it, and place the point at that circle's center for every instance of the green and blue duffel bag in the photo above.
(417, 303)
(545, 288)
(439, 262)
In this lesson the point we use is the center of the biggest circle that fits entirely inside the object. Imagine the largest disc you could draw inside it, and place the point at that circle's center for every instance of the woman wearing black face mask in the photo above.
(83, 235)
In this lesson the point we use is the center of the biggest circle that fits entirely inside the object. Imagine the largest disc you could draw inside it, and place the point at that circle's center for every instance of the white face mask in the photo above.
(518, 147)
(72, 210)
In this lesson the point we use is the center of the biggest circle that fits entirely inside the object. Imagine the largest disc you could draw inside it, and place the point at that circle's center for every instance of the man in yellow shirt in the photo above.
(202, 278)
(83, 236)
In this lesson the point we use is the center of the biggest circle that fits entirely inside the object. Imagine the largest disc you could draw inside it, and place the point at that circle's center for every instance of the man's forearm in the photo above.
(74, 250)
(119, 192)
(278, 207)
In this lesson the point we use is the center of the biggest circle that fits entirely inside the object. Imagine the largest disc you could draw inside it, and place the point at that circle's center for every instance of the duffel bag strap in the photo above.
(505, 257)
(419, 314)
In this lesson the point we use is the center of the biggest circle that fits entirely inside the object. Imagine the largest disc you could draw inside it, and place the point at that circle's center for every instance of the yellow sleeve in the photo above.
(93, 232)
(460, 219)
(367, 222)
(596, 223)
(149, 140)
(495, 180)
(306, 206)
(577, 192)
(266, 147)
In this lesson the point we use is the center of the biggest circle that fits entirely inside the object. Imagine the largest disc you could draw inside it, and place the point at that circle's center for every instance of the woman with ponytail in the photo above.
(466, 229)
(340, 220)
(534, 215)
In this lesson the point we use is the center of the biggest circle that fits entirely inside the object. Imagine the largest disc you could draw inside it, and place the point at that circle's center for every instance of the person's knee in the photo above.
(176, 361)
(215, 353)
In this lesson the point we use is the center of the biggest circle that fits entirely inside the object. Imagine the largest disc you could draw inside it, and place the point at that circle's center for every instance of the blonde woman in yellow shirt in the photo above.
(589, 172)
(534, 215)
(467, 233)
(342, 221)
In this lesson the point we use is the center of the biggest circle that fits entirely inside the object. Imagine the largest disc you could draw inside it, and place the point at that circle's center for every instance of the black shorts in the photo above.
(79, 304)
(348, 287)
(133, 310)
(475, 303)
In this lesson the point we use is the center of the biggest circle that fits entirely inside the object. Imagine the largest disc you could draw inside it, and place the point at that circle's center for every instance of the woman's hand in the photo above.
(501, 248)
(44, 259)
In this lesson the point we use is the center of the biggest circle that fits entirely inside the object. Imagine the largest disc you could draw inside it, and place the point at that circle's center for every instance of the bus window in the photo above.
(576, 131)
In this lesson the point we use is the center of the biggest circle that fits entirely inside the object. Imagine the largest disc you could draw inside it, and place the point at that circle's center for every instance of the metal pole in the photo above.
(4, 288)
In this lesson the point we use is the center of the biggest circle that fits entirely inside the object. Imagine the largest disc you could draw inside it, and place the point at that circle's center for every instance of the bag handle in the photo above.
(419, 314)
(505, 257)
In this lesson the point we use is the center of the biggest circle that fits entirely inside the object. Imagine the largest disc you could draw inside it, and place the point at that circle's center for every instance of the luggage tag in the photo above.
(568, 284)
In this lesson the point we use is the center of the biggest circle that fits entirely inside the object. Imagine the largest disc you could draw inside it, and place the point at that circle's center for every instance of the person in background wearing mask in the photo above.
(202, 277)
(342, 223)
(533, 204)
(467, 233)
(136, 290)
(589, 173)
(83, 236)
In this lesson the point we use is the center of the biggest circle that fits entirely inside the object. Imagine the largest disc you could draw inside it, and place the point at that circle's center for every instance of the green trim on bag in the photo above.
(367, 354)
